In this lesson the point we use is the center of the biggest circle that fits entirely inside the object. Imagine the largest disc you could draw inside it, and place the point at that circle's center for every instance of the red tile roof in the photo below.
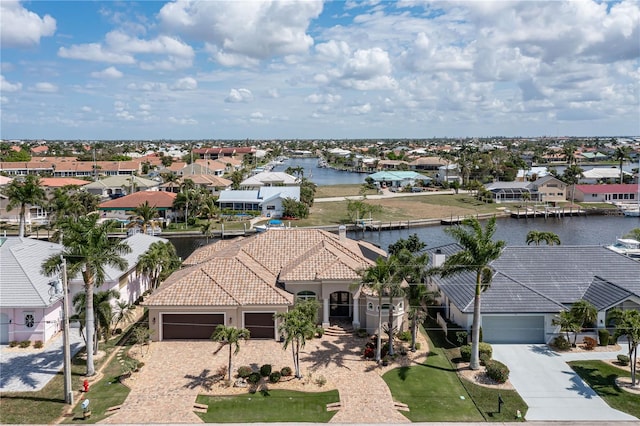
(617, 188)
(158, 199)
(60, 182)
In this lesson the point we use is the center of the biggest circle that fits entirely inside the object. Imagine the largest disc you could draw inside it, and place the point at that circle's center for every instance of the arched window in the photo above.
(306, 295)
(370, 306)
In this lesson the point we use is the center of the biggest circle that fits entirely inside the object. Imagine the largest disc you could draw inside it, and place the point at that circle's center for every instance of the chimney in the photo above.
(342, 232)
(438, 258)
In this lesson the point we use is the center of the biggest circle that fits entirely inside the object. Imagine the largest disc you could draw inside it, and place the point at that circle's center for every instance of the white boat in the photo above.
(626, 246)
(632, 212)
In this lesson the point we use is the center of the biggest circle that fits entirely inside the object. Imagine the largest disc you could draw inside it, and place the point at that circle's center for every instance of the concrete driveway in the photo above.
(549, 386)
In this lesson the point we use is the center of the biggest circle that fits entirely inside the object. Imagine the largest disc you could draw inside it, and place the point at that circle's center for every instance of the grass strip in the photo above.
(269, 407)
(602, 379)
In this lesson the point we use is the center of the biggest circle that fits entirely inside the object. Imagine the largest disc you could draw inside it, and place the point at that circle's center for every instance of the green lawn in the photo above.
(434, 392)
(269, 406)
(601, 377)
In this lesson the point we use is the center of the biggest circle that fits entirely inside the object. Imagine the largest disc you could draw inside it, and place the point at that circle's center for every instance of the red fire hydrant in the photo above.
(85, 385)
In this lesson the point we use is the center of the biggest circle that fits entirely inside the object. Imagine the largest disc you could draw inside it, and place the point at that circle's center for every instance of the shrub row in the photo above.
(38, 344)
(265, 370)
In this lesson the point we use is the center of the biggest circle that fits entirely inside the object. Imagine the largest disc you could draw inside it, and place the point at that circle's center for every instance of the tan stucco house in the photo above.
(244, 282)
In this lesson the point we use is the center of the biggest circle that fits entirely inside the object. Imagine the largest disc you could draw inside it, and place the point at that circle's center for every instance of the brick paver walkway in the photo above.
(175, 372)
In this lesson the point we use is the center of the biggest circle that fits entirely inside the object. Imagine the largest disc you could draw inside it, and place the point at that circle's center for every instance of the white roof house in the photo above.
(269, 179)
(267, 200)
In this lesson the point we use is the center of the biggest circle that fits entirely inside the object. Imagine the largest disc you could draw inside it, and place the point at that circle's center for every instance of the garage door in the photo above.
(189, 326)
(513, 329)
(261, 325)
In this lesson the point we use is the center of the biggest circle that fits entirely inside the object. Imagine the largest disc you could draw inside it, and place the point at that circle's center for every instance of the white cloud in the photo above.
(147, 86)
(254, 29)
(5, 86)
(111, 72)
(86, 108)
(183, 121)
(144, 107)
(94, 52)
(44, 87)
(186, 83)
(4, 100)
(20, 27)
(239, 95)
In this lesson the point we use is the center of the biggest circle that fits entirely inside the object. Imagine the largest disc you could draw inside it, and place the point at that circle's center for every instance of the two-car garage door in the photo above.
(513, 329)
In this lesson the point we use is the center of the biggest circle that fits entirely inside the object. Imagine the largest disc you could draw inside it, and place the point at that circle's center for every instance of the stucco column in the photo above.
(356, 313)
(325, 313)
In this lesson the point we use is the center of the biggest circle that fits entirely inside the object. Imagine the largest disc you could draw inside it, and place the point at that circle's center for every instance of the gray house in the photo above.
(532, 284)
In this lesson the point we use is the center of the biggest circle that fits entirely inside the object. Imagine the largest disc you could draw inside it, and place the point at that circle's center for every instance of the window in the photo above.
(29, 320)
(305, 295)
(385, 307)
(369, 306)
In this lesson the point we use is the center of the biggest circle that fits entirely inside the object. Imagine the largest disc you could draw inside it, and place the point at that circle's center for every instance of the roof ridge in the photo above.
(221, 287)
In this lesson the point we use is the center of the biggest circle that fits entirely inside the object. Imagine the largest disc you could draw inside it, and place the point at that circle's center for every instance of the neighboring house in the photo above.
(244, 282)
(28, 311)
(448, 173)
(428, 163)
(602, 175)
(607, 193)
(267, 200)
(392, 165)
(202, 167)
(532, 284)
(57, 182)
(223, 152)
(269, 179)
(509, 191)
(548, 189)
(212, 183)
(118, 186)
(399, 179)
(122, 208)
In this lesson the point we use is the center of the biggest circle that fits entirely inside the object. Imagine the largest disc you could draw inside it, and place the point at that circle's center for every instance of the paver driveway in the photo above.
(174, 372)
(551, 389)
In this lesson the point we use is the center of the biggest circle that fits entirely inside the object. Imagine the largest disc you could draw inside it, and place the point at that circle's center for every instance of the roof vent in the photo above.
(342, 232)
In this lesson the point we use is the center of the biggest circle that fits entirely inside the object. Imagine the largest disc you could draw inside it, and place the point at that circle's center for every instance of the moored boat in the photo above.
(626, 246)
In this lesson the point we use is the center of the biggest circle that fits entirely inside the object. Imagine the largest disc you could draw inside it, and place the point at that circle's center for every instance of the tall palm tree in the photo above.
(144, 216)
(23, 193)
(103, 312)
(377, 278)
(627, 324)
(158, 262)
(478, 250)
(620, 154)
(87, 250)
(296, 326)
(230, 336)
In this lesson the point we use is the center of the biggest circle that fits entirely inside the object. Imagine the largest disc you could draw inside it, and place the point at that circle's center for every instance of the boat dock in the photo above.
(546, 212)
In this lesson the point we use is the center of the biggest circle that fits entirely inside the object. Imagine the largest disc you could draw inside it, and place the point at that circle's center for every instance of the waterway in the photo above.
(590, 230)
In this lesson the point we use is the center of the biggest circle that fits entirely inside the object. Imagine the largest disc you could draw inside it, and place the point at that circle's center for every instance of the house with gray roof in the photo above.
(532, 284)
(118, 186)
(267, 200)
(399, 179)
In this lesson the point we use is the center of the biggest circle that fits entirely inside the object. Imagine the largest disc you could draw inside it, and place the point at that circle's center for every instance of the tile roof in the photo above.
(251, 270)
(60, 182)
(158, 199)
(122, 181)
(608, 188)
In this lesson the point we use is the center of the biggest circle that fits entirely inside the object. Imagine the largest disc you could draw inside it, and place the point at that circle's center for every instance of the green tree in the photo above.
(307, 191)
(23, 193)
(123, 312)
(293, 208)
(87, 250)
(103, 308)
(620, 154)
(567, 323)
(627, 324)
(144, 216)
(584, 312)
(537, 237)
(571, 176)
(478, 250)
(236, 178)
(413, 244)
(634, 233)
(230, 336)
(296, 326)
(158, 262)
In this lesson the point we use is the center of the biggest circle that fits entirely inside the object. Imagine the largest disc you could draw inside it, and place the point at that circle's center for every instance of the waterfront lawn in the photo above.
(435, 393)
(346, 190)
(602, 379)
(270, 406)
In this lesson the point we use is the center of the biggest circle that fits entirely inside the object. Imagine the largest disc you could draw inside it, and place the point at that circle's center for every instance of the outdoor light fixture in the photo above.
(153, 320)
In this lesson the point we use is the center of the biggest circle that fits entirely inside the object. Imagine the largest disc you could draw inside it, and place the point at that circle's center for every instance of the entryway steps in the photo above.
(400, 406)
(334, 406)
(200, 408)
(338, 330)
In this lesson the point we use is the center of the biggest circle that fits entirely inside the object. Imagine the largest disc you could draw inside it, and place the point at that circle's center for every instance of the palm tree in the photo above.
(144, 217)
(230, 336)
(23, 193)
(620, 154)
(571, 176)
(627, 324)
(236, 178)
(567, 323)
(103, 312)
(158, 262)
(377, 278)
(122, 312)
(63, 204)
(584, 312)
(87, 250)
(478, 250)
(537, 237)
(296, 326)
(534, 237)
(551, 238)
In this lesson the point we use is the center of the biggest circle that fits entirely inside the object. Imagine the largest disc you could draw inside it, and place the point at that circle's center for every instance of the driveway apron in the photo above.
(551, 389)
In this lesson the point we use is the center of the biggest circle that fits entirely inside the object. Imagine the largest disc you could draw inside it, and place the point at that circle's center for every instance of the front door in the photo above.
(339, 304)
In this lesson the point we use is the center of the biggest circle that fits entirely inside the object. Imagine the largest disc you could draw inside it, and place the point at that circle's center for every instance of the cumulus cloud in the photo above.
(44, 87)
(5, 86)
(95, 52)
(20, 27)
(147, 86)
(255, 29)
(111, 72)
(186, 83)
(183, 121)
(239, 95)
(86, 108)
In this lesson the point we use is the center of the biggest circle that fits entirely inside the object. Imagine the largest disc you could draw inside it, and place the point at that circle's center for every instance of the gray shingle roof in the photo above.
(545, 279)
(21, 282)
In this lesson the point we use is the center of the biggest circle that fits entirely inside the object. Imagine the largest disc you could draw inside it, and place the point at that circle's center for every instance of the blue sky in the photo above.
(310, 69)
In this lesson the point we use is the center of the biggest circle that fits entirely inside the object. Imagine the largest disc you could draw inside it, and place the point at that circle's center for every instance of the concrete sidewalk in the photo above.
(551, 389)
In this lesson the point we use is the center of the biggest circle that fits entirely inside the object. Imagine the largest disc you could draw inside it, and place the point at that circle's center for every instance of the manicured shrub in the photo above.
(461, 337)
(274, 377)
(561, 343)
(321, 381)
(244, 371)
(286, 371)
(265, 370)
(13, 343)
(405, 336)
(465, 353)
(589, 343)
(484, 358)
(38, 344)
(369, 352)
(253, 378)
(485, 348)
(623, 359)
(497, 371)
(319, 331)
(603, 336)
(25, 344)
